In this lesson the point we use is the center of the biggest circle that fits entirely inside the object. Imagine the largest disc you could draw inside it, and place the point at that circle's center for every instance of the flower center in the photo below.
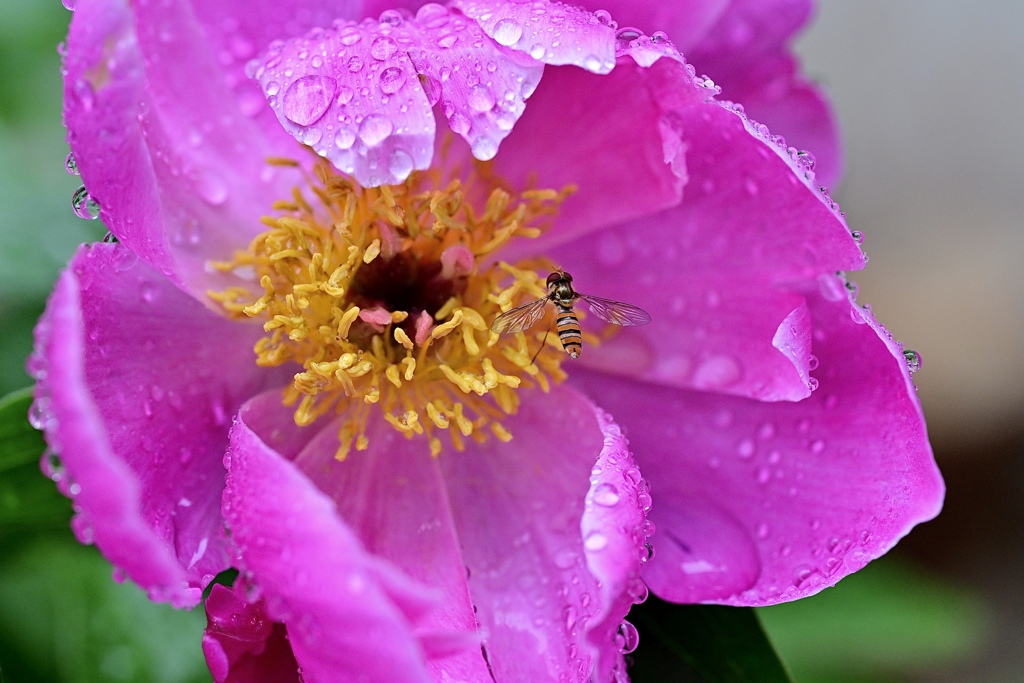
(385, 297)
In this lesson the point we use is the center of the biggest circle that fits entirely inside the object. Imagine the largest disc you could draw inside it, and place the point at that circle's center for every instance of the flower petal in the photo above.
(393, 498)
(747, 53)
(549, 31)
(760, 503)
(577, 115)
(178, 170)
(361, 94)
(345, 611)
(711, 333)
(242, 644)
(713, 271)
(141, 381)
(684, 22)
(550, 558)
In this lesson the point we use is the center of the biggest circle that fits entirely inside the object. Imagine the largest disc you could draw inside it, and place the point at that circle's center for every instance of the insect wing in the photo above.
(616, 312)
(520, 318)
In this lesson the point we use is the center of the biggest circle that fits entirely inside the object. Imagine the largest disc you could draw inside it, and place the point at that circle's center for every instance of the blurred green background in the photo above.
(928, 94)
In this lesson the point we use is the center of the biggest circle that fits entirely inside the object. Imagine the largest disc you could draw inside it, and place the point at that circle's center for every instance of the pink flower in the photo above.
(773, 417)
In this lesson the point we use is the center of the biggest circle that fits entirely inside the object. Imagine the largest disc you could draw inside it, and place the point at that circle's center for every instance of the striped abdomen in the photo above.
(569, 331)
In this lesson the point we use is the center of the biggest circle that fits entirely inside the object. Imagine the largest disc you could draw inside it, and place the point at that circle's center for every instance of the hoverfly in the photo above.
(563, 296)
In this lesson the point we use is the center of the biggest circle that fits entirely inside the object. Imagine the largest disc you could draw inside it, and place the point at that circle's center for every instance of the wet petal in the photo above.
(141, 381)
(713, 271)
(351, 93)
(551, 32)
(177, 168)
(757, 503)
(242, 644)
(684, 22)
(393, 498)
(482, 85)
(707, 332)
(361, 94)
(747, 53)
(344, 610)
(578, 115)
(550, 554)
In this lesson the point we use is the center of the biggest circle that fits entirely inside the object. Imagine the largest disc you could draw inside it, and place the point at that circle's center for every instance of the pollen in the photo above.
(384, 298)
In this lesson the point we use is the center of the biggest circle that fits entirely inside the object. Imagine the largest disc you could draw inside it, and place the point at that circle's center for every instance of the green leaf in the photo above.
(65, 620)
(885, 622)
(29, 502)
(702, 644)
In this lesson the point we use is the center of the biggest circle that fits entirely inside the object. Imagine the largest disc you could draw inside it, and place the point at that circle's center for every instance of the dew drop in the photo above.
(400, 165)
(746, 449)
(507, 32)
(383, 47)
(307, 98)
(595, 541)
(375, 129)
(646, 553)
(51, 465)
(391, 80)
(350, 36)
(345, 94)
(484, 148)
(272, 88)
(606, 495)
(717, 372)
(344, 138)
(817, 447)
(68, 4)
(85, 205)
(913, 359)
(459, 123)
(857, 236)
(481, 99)
(638, 592)
(70, 164)
(627, 638)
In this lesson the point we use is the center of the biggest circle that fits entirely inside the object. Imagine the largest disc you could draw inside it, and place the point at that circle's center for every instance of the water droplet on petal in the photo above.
(85, 205)
(857, 236)
(307, 98)
(507, 32)
(383, 47)
(914, 360)
(374, 129)
(481, 99)
(717, 372)
(68, 4)
(71, 165)
(51, 465)
(400, 165)
(595, 541)
(627, 638)
(344, 138)
(391, 80)
(484, 148)
(459, 123)
(606, 495)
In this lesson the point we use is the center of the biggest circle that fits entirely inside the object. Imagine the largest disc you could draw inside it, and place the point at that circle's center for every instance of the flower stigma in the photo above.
(385, 297)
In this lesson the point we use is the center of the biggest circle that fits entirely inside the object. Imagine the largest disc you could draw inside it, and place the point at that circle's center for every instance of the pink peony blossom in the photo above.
(775, 441)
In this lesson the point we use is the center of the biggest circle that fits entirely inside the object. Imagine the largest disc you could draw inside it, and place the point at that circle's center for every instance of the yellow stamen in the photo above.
(328, 264)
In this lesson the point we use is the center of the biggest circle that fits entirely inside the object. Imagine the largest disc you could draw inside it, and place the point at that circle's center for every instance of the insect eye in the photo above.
(567, 277)
(553, 278)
